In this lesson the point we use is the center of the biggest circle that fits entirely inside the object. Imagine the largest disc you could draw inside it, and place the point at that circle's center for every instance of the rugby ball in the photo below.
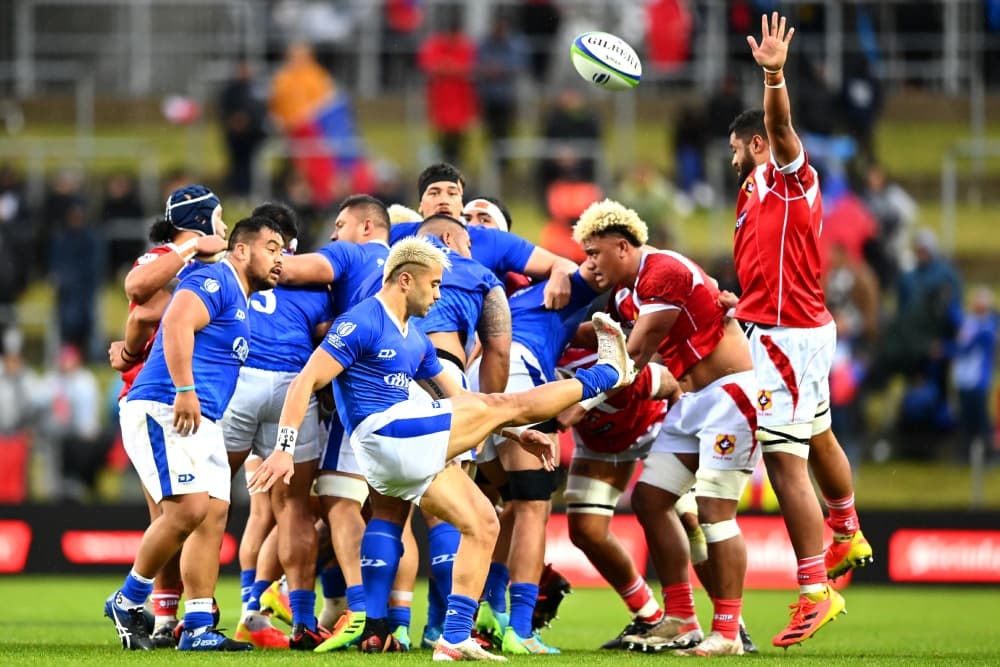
(606, 61)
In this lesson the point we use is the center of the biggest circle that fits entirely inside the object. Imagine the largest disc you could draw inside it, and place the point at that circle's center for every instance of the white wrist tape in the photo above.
(286, 439)
(513, 432)
(592, 402)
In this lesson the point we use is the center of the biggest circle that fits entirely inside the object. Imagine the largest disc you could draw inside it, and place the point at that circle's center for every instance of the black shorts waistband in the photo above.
(445, 354)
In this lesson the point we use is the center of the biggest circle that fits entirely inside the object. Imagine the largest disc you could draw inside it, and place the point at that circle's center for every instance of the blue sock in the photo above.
(443, 542)
(332, 582)
(458, 622)
(399, 616)
(381, 549)
(303, 604)
(135, 590)
(256, 590)
(496, 586)
(247, 578)
(522, 605)
(356, 598)
(597, 378)
(198, 615)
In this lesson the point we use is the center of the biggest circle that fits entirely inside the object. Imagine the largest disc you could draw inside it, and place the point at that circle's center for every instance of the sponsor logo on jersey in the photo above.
(334, 341)
(764, 402)
(211, 285)
(742, 217)
(241, 349)
(725, 443)
(401, 380)
(185, 478)
(387, 353)
(344, 329)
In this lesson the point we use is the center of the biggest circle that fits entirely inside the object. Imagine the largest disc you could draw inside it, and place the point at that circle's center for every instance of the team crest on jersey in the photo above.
(725, 444)
(241, 349)
(240, 314)
(211, 285)
(748, 185)
(764, 402)
(344, 329)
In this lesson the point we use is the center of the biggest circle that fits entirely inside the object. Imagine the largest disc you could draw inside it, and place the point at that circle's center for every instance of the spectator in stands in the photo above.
(569, 122)
(895, 213)
(15, 395)
(539, 23)
(565, 199)
(689, 142)
(70, 400)
(243, 116)
(400, 22)
(16, 243)
(64, 191)
(448, 59)
(77, 268)
(861, 100)
(299, 89)
(646, 191)
(500, 61)
(123, 221)
(975, 351)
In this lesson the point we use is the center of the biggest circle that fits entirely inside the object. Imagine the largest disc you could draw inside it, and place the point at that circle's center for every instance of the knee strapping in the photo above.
(341, 486)
(720, 531)
(531, 484)
(686, 504)
(586, 495)
(724, 484)
(789, 439)
(665, 471)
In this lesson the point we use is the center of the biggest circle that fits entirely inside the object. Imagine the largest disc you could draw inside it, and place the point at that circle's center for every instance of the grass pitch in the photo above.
(57, 621)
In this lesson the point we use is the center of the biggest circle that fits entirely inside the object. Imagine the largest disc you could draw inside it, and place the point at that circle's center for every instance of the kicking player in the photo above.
(286, 321)
(169, 424)
(672, 308)
(779, 217)
(190, 232)
(404, 445)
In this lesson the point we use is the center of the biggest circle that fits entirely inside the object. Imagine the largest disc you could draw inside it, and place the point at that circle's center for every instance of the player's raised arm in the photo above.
(771, 54)
(310, 268)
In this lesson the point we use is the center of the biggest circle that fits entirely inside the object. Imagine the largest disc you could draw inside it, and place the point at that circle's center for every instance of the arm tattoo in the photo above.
(494, 319)
(434, 387)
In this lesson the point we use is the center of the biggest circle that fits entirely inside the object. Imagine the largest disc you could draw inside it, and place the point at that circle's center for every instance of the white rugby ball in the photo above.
(606, 61)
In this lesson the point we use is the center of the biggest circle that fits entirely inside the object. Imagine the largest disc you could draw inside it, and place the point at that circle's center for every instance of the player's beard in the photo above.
(747, 165)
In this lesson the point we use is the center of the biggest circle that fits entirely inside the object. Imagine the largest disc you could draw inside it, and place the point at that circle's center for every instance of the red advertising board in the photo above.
(92, 547)
(573, 564)
(945, 556)
(15, 540)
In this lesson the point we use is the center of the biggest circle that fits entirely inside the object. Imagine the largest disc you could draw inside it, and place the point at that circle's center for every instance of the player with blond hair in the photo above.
(707, 438)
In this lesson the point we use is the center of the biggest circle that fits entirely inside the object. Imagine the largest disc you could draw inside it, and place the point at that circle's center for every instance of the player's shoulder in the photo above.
(152, 254)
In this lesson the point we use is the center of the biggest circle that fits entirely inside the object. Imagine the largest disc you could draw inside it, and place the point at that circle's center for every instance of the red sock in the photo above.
(726, 619)
(843, 517)
(678, 600)
(165, 603)
(812, 571)
(638, 596)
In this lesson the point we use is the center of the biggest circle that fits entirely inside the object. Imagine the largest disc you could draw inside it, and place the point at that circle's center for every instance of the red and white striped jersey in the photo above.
(779, 219)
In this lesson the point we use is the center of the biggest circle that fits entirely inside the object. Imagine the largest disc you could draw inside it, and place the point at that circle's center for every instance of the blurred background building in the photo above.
(106, 105)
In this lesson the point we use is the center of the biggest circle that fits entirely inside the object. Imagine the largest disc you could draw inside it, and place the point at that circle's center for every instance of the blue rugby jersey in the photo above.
(220, 348)
(498, 251)
(547, 332)
(282, 322)
(379, 359)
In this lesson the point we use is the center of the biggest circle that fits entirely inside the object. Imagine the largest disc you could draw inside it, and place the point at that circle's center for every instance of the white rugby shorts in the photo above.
(792, 367)
(402, 449)
(251, 419)
(167, 463)
(715, 422)
(636, 451)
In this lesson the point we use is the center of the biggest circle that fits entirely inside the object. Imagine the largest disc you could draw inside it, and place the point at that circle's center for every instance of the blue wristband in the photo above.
(180, 390)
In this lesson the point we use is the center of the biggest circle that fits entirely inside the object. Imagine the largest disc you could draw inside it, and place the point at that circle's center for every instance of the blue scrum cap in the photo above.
(191, 207)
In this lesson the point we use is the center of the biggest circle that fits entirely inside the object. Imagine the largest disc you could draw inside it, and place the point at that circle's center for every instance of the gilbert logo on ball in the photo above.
(606, 61)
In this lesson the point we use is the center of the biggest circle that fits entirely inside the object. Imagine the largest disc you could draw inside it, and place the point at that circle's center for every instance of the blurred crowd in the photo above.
(914, 368)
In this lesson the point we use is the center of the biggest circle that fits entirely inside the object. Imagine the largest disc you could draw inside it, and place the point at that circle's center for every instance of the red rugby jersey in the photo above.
(617, 423)
(779, 218)
(128, 377)
(670, 281)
